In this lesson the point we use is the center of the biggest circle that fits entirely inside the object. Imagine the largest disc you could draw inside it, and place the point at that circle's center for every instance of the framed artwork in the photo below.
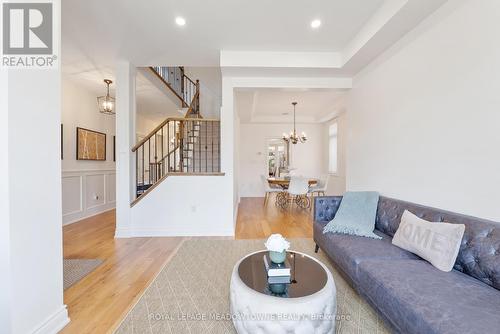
(90, 145)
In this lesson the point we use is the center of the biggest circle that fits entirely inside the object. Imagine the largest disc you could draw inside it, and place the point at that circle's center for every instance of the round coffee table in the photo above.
(307, 304)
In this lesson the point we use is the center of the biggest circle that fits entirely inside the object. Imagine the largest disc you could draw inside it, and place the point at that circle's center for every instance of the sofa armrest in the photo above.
(325, 207)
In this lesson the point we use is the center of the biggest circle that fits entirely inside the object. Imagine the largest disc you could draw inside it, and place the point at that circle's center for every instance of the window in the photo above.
(332, 148)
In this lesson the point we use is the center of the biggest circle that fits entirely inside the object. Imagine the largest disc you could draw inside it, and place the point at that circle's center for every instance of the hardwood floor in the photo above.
(98, 302)
(258, 221)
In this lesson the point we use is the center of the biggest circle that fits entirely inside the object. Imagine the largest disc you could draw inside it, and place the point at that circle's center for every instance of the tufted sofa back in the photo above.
(479, 254)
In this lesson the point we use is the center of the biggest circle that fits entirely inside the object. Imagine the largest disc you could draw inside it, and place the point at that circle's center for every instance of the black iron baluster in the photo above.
(212, 142)
(175, 142)
(168, 147)
(162, 155)
(193, 157)
(218, 146)
(200, 138)
(149, 159)
(206, 148)
(137, 173)
(143, 181)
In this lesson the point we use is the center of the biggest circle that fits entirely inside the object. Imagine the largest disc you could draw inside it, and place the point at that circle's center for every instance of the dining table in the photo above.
(282, 198)
(284, 182)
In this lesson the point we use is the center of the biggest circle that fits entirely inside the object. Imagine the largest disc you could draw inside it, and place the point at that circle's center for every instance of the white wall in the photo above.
(424, 118)
(88, 187)
(308, 159)
(35, 281)
(145, 125)
(184, 206)
(5, 268)
(210, 89)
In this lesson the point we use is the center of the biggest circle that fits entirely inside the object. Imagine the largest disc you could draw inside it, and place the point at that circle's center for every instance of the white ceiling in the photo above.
(264, 105)
(146, 33)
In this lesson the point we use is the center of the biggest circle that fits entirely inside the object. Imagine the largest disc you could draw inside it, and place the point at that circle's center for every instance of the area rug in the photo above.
(76, 269)
(194, 285)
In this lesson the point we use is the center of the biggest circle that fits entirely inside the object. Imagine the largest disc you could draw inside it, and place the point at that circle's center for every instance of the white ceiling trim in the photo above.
(289, 82)
(280, 59)
(374, 25)
(267, 59)
(390, 21)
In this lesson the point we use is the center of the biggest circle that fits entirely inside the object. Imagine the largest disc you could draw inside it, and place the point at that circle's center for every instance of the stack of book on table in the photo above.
(277, 272)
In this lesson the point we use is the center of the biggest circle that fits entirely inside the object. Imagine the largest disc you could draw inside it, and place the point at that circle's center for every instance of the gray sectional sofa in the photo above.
(408, 292)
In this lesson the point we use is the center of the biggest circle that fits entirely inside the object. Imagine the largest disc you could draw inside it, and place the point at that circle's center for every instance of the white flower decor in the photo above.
(276, 243)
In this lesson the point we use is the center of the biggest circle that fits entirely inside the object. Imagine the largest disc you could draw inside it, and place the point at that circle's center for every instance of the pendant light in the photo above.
(293, 137)
(106, 103)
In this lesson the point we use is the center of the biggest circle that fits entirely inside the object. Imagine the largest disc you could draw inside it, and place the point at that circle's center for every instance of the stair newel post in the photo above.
(183, 83)
(136, 173)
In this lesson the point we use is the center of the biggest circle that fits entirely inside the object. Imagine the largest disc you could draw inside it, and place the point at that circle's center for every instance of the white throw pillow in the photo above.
(437, 243)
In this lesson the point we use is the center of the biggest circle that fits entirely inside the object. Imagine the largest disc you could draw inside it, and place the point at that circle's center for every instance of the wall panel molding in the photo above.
(87, 193)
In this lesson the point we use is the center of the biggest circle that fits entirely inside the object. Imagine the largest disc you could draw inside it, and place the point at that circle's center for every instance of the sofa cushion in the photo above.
(423, 299)
(349, 250)
(437, 243)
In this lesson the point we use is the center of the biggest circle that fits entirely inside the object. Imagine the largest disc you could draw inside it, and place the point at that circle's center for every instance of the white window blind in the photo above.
(332, 148)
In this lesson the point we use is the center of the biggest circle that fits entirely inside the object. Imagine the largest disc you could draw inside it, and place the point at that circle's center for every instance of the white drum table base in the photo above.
(254, 312)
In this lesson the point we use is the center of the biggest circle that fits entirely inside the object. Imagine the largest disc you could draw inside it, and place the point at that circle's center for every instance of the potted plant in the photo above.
(277, 247)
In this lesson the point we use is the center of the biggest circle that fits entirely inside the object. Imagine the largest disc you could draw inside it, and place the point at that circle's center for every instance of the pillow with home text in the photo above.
(437, 243)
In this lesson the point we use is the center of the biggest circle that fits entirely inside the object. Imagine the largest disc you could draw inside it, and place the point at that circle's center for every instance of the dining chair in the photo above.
(298, 189)
(269, 189)
(321, 187)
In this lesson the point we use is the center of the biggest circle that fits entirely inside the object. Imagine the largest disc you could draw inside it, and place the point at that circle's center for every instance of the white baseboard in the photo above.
(73, 218)
(54, 323)
(136, 233)
(122, 233)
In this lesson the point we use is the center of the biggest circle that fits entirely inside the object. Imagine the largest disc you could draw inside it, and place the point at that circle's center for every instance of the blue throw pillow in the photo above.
(356, 215)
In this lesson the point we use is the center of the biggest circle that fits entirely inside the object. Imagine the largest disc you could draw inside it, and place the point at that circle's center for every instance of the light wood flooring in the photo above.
(256, 221)
(99, 302)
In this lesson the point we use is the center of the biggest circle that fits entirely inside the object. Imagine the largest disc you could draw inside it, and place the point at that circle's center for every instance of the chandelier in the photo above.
(293, 137)
(106, 103)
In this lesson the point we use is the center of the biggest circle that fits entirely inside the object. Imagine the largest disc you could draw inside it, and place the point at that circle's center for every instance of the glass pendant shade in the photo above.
(106, 103)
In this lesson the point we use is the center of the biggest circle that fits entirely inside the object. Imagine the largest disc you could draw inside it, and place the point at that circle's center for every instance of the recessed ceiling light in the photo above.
(180, 21)
(315, 24)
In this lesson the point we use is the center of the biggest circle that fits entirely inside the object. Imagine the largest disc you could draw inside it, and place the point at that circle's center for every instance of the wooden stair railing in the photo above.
(187, 90)
(177, 145)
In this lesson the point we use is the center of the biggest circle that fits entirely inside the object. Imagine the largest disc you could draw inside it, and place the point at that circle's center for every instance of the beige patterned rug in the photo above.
(194, 285)
(76, 269)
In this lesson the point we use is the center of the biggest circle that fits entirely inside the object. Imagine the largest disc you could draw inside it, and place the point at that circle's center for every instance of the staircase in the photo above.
(201, 150)
(178, 146)
(187, 90)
